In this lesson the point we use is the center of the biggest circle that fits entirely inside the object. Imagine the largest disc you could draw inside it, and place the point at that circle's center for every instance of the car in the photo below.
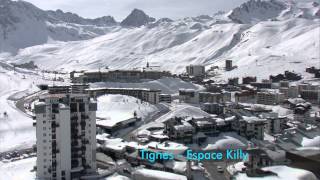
(219, 169)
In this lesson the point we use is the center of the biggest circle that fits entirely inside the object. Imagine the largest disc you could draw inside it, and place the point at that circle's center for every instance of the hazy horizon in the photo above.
(155, 8)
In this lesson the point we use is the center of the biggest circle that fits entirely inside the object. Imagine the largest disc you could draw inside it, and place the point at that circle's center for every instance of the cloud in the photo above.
(156, 8)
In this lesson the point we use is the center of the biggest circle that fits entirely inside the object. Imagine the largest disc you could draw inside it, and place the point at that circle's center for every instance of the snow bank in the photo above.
(117, 108)
(283, 173)
(225, 141)
(116, 176)
(156, 175)
(315, 142)
(18, 170)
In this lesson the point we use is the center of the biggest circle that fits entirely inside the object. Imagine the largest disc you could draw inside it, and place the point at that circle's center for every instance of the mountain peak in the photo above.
(257, 10)
(137, 18)
(74, 18)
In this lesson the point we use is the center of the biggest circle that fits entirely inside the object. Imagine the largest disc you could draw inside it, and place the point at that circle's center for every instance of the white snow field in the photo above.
(283, 173)
(154, 174)
(117, 108)
(16, 130)
(18, 170)
(314, 142)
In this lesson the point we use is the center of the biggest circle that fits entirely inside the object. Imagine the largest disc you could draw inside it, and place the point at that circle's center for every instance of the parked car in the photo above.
(219, 169)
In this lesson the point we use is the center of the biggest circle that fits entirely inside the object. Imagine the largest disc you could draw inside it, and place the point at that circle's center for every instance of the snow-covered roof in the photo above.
(154, 174)
(283, 173)
(116, 144)
(252, 119)
(185, 126)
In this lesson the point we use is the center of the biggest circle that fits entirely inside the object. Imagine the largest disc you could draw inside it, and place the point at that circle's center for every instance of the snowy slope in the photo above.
(16, 130)
(18, 170)
(117, 108)
(23, 25)
(291, 42)
(255, 11)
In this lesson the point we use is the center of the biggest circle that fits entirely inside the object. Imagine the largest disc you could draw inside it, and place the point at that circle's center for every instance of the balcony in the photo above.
(74, 125)
(54, 144)
(74, 143)
(74, 117)
(83, 123)
(84, 161)
(75, 156)
(84, 116)
(55, 151)
(74, 163)
(85, 141)
(75, 149)
(54, 163)
(54, 125)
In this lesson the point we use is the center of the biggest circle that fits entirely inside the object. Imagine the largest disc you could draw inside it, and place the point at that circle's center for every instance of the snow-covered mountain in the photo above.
(23, 25)
(137, 18)
(74, 18)
(256, 11)
(261, 37)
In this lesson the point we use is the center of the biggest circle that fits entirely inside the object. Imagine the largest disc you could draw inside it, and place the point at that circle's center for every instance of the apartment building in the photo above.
(195, 70)
(249, 79)
(264, 84)
(165, 98)
(273, 122)
(208, 97)
(130, 75)
(268, 97)
(245, 96)
(213, 108)
(188, 96)
(249, 127)
(148, 95)
(66, 136)
(310, 92)
(79, 88)
(228, 65)
(180, 130)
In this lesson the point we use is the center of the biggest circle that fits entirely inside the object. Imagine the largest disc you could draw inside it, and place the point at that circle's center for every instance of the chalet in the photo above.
(179, 130)
(249, 79)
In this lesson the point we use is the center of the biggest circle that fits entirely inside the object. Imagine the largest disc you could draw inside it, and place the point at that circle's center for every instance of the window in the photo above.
(44, 134)
(73, 107)
(81, 107)
(44, 128)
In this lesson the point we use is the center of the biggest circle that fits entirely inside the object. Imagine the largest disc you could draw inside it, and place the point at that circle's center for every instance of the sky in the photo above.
(156, 8)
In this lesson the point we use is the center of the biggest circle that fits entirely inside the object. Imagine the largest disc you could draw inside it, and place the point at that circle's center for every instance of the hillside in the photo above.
(284, 36)
(23, 25)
